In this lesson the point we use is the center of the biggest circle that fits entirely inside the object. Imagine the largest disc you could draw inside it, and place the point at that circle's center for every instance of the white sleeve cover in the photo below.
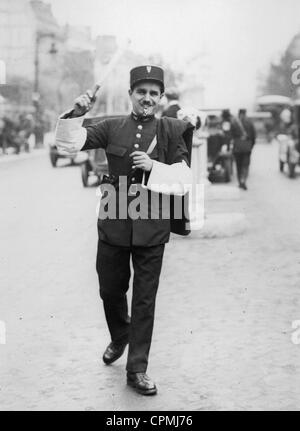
(175, 179)
(70, 136)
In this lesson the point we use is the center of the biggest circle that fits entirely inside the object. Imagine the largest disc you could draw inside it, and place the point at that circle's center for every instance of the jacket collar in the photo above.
(141, 118)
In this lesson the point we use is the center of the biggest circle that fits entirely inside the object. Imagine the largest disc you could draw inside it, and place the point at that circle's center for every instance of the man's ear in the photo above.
(162, 95)
(130, 92)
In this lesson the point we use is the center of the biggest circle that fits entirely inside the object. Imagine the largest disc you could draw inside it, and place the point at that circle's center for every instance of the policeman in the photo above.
(143, 152)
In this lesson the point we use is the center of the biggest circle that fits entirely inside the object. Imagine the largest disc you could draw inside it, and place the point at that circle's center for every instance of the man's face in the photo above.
(145, 98)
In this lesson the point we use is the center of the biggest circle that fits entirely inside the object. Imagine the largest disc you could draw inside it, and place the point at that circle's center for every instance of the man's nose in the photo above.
(147, 97)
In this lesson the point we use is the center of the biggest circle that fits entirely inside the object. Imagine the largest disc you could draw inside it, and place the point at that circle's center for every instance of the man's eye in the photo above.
(153, 93)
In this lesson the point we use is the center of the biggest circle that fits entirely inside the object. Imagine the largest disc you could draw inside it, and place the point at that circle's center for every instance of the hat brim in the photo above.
(155, 81)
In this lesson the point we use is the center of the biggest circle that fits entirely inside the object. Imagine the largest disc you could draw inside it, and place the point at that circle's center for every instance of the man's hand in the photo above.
(83, 104)
(141, 160)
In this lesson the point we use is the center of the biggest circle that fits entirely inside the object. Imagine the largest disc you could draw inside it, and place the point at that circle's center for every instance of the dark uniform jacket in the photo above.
(120, 137)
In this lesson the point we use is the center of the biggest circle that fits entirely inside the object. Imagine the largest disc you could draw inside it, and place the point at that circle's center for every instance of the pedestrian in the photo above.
(242, 152)
(25, 129)
(236, 138)
(173, 105)
(9, 135)
(142, 151)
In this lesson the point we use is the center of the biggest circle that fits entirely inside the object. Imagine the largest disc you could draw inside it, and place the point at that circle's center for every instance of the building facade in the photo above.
(45, 63)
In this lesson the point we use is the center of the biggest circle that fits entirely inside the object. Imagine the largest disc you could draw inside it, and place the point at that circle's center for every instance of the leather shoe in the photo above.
(141, 383)
(113, 352)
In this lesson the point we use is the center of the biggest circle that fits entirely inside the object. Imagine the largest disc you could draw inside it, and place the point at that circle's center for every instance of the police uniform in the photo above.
(142, 239)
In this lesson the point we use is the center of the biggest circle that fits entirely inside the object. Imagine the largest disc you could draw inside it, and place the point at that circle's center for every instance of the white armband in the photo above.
(173, 179)
(70, 136)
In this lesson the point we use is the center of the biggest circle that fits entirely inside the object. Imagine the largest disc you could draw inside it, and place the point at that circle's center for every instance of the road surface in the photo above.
(223, 331)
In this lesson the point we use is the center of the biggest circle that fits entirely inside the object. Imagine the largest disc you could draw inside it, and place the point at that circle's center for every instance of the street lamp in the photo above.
(38, 127)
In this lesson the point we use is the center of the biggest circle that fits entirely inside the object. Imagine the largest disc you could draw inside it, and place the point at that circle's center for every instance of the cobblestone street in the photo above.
(225, 306)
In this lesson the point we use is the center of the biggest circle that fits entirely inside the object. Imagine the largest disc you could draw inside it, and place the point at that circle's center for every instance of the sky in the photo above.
(233, 40)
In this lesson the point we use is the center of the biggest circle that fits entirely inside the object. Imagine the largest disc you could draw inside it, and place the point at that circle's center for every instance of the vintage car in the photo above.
(94, 166)
(219, 152)
(55, 154)
(272, 105)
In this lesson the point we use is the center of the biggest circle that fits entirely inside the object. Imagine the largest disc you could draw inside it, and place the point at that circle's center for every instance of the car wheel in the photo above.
(53, 159)
(85, 169)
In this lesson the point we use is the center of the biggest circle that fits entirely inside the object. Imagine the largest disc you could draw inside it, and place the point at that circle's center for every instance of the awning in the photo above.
(272, 99)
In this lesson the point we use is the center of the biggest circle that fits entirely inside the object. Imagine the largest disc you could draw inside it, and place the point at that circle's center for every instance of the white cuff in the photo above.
(70, 136)
(173, 179)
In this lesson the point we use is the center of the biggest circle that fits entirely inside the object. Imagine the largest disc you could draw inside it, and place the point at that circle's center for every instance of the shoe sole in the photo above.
(141, 391)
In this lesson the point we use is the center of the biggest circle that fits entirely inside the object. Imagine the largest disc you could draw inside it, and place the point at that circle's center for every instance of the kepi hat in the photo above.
(147, 73)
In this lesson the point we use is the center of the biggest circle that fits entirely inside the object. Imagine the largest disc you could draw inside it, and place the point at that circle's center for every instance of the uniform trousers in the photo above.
(113, 268)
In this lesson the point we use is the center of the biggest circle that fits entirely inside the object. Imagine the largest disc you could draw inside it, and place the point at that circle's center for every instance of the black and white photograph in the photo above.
(149, 224)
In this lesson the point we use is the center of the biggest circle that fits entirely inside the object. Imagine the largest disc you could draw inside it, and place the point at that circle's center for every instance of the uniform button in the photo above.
(133, 179)
(136, 146)
(140, 127)
(138, 135)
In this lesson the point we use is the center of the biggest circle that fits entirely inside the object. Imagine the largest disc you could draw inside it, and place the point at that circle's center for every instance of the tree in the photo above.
(279, 78)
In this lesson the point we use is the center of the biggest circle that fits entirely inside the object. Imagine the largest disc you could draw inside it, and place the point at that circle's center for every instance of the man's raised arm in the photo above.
(70, 136)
